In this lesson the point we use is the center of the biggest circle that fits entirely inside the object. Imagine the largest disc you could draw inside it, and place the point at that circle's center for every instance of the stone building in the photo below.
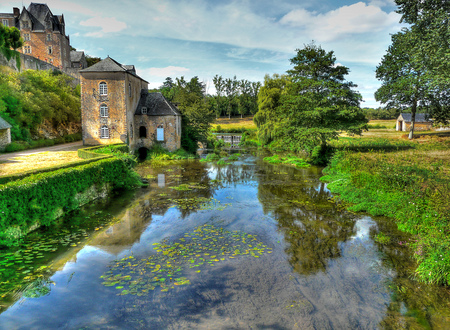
(117, 108)
(78, 60)
(5, 134)
(44, 34)
(422, 122)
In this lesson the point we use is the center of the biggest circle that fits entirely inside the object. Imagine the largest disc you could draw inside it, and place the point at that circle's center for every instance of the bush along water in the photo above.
(39, 199)
(407, 187)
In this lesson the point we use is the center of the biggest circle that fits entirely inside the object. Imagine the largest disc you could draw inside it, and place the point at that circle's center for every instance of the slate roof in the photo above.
(76, 56)
(420, 117)
(110, 65)
(39, 14)
(156, 104)
(4, 124)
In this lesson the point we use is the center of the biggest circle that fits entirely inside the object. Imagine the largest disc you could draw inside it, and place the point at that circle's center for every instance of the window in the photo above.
(27, 49)
(160, 133)
(104, 111)
(142, 132)
(5, 22)
(103, 88)
(104, 132)
(144, 110)
(50, 50)
(131, 130)
(25, 25)
(49, 37)
(129, 89)
(26, 37)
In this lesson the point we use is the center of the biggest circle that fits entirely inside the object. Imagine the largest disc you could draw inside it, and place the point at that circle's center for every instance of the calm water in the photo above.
(247, 245)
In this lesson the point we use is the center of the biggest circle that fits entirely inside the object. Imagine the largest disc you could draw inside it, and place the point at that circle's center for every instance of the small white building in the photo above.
(5, 134)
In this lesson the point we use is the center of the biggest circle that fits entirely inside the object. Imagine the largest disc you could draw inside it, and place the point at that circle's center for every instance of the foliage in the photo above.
(381, 113)
(91, 60)
(287, 160)
(24, 145)
(408, 187)
(159, 153)
(10, 40)
(38, 199)
(310, 106)
(30, 97)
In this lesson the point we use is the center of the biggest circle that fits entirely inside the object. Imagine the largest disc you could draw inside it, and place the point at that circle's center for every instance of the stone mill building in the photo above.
(116, 107)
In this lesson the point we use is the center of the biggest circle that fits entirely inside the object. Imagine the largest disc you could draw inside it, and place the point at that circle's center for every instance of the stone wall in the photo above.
(417, 126)
(5, 138)
(172, 132)
(90, 107)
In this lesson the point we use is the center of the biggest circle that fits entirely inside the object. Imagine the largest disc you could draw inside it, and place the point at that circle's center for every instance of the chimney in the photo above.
(16, 12)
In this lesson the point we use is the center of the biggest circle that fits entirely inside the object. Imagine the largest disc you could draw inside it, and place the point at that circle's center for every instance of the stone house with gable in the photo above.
(116, 107)
(44, 34)
(422, 122)
(5, 134)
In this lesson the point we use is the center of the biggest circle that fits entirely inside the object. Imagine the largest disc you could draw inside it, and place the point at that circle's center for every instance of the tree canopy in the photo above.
(10, 40)
(310, 105)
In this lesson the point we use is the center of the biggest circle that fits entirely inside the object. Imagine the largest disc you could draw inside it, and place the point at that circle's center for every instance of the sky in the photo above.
(243, 38)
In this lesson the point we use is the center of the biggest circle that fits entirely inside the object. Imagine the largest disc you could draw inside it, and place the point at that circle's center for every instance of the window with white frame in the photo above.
(104, 111)
(144, 110)
(104, 132)
(25, 25)
(103, 88)
(27, 49)
(5, 22)
(26, 37)
(49, 37)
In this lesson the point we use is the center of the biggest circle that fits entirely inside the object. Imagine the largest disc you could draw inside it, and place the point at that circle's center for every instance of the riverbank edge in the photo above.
(41, 199)
(366, 184)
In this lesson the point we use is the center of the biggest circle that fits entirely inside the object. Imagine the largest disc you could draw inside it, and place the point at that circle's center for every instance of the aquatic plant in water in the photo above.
(204, 247)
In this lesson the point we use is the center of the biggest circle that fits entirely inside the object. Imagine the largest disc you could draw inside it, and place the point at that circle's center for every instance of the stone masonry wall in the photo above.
(90, 107)
(172, 131)
(5, 138)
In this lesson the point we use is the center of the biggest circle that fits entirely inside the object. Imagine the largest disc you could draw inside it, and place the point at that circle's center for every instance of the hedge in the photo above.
(37, 199)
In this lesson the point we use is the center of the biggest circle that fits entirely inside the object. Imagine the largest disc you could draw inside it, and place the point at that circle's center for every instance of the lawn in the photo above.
(235, 123)
(37, 161)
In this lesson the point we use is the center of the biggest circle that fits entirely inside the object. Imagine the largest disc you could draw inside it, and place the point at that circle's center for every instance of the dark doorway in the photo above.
(142, 153)
(142, 132)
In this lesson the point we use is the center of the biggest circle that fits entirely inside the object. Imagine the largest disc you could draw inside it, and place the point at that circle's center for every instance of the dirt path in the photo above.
(73, 146)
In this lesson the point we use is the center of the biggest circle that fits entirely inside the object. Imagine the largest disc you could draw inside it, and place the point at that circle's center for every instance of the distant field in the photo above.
(237, 122)
(37, 161)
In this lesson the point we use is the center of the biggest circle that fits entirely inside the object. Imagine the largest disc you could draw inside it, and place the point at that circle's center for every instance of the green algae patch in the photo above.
(206, 246)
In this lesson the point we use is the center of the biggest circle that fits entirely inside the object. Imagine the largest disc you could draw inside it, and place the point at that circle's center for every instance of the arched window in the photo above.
(104, 111)
(142, 132)
(103, 88)
(160, 133)
(104, 132)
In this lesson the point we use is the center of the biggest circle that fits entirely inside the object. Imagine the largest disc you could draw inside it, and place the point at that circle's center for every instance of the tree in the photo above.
(10, 40)
(91, 60)
(196, 112)
(313, 107)
(404, 85)
(416, 66)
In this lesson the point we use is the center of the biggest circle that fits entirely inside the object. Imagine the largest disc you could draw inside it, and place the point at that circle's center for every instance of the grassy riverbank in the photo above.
(407, 181)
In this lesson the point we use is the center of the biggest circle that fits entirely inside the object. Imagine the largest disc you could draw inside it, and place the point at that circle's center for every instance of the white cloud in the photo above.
(355, 19)
(107, 25)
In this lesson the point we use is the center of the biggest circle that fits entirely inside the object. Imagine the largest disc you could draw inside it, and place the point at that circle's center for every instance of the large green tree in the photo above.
(10, 40)
(415, 70)
(311, 106)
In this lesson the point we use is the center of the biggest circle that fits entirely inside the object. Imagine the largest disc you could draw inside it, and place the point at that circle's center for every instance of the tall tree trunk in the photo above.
(413, 120)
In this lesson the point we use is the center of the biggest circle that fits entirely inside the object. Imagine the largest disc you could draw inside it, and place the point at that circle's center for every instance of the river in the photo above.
(249, 245)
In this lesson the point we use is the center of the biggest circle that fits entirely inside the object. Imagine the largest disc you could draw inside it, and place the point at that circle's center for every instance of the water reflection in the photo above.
(325, 269)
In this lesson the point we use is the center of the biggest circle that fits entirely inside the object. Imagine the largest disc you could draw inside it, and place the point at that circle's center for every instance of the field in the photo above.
(37, 161)
(235, 123)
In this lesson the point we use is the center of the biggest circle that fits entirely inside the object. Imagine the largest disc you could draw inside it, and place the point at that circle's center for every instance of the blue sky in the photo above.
(246, 38)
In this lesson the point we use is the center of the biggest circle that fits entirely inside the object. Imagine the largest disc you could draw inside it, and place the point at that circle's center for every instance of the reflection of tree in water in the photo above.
(313, 227)
(233, 174)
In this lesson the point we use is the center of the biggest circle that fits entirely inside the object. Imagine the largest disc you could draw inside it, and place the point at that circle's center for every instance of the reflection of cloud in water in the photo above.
(363, 227)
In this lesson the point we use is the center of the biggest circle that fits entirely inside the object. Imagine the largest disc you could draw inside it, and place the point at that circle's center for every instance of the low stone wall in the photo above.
(5, 138)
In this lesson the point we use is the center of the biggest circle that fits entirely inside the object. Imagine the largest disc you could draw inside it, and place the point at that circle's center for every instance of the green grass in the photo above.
(407, 181)
(287, 160)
